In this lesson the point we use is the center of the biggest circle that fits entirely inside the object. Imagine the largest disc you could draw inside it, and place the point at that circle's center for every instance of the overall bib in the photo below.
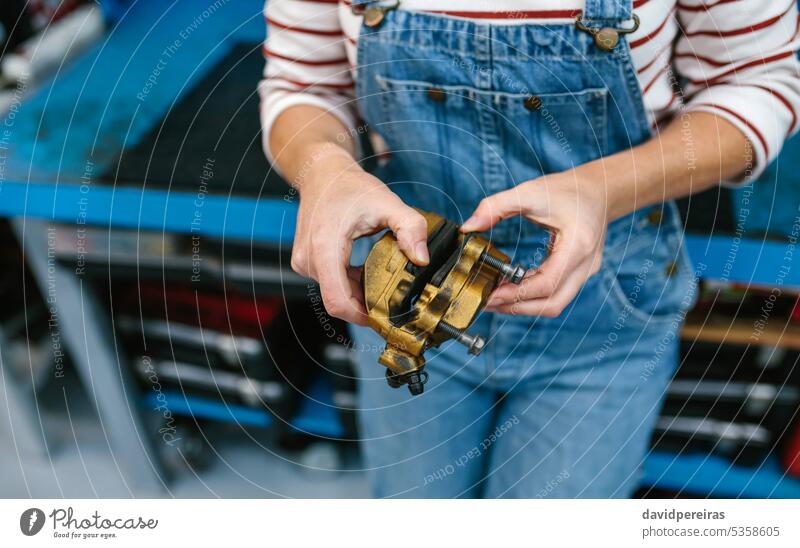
(560, 407)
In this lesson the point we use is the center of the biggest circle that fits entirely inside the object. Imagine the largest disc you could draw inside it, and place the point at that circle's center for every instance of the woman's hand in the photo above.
(692, 153)
(573, 208)
(340, 202)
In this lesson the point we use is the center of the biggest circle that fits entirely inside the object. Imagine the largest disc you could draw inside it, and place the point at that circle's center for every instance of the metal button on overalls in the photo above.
(533, 102)
(672, 268)
(437, 94)
(606, 39)
(374, 13)
(655, 216)
(373, 16)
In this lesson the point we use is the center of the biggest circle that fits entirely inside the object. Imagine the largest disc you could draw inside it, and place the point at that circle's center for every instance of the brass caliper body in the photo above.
(419, 307)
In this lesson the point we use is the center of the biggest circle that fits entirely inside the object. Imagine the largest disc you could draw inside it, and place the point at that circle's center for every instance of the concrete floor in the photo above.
(76, 461)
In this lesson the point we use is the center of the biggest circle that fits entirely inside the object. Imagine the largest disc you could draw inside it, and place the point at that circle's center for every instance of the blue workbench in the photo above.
(74, 125)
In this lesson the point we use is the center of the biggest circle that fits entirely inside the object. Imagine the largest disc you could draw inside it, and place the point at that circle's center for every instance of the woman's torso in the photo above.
(651, 43)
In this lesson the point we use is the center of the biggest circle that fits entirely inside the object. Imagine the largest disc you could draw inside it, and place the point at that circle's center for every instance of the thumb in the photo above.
(411, 230)
(494, 209)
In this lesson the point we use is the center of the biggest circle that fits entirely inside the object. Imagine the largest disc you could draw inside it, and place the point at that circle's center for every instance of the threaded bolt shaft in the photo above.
(474, 343)
(513, 273)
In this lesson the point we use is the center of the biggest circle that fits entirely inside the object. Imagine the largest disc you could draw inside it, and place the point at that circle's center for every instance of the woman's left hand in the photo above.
(574, 208)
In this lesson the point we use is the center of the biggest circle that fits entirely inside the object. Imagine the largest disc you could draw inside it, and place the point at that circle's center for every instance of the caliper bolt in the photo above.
(416, 383)
(415, 380)
(393, 379)
(474, 343)
(513, 273)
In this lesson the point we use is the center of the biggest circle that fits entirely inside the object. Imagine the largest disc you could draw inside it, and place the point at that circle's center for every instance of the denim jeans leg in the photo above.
(580, 434)
(421, 446)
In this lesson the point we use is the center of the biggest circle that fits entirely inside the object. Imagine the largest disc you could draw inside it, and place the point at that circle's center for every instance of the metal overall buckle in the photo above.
(375, 12)
(606, 38)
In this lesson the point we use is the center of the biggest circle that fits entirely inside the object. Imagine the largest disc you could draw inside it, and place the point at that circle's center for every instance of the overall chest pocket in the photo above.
(458, 144)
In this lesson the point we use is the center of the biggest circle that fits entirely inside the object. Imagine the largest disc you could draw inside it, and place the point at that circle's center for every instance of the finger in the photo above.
(300, 261)
(495, 208)
(410, 228)
(548, 307)
(300, 256)
(340, 293)
(567, 255)
(354, 274)
(541, 283)
(357, 293)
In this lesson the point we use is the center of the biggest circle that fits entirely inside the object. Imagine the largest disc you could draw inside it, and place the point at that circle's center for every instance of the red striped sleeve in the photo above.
(788, 104)
(308, 85)
(304, 30)
(738, 68)
(703, 6)
(643, 40)
(745, 29)
(304, 61)
(659, 75)
(642, 69)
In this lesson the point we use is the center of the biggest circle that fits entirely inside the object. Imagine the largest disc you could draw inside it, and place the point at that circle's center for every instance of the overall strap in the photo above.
(608, 10)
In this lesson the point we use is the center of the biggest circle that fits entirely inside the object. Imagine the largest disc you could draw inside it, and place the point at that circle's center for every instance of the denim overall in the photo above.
(560, 407)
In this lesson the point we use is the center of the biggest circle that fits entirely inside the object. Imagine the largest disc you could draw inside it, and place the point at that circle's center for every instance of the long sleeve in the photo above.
(306, 62)
(739, 60)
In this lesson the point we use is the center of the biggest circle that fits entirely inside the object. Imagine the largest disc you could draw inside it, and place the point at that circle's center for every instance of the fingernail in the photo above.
(421, 251)
(469, 225)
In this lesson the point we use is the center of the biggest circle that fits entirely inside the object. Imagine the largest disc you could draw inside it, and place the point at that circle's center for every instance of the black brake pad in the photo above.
(443, 250)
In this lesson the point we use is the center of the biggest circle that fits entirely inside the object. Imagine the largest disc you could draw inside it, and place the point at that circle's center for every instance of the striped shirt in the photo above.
(738, 58)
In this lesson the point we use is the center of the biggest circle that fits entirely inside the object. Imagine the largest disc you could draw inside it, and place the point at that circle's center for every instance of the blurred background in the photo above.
(155, 342)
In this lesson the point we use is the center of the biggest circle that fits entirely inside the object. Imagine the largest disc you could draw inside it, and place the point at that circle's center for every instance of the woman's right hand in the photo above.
(340, 202)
